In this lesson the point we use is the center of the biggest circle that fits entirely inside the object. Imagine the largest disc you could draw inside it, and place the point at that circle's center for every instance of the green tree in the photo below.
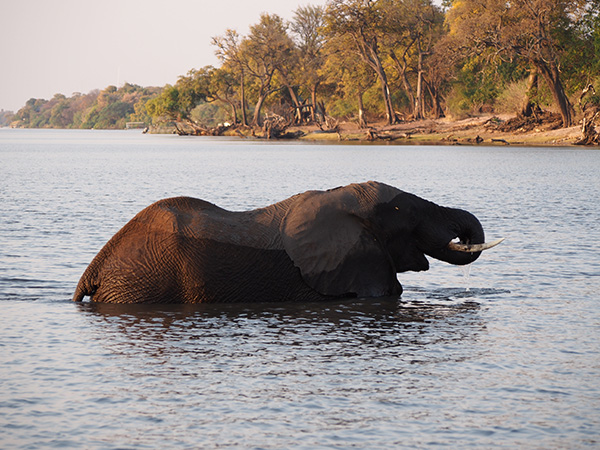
(412, 29)
(536, 31)
(110, 108)
(59, 113)
(307, 29)
(33, 114)
(234, 60)
(275, 31)
(364, 22)
(166, 105)
(140, 113)
(352, 76)
(266, 50)
(223, 88)
(6, 117)
(175, 103)
(114, 115)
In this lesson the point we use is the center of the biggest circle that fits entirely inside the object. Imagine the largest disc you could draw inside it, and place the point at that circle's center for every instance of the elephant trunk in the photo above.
(88, 283)
(461, 228)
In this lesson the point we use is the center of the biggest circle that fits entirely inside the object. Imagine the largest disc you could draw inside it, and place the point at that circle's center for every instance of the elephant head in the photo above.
(354, 239)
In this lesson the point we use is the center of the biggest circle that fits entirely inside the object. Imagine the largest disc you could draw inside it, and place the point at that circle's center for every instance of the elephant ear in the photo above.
(331, 245)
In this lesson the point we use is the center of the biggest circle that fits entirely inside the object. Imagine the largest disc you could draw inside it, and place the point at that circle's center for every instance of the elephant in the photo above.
(350, 241)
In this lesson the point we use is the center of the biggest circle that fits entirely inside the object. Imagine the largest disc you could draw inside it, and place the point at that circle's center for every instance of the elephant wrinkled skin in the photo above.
(348, 241)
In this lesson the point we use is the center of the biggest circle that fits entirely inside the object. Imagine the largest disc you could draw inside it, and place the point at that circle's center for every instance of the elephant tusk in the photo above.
(473, 248)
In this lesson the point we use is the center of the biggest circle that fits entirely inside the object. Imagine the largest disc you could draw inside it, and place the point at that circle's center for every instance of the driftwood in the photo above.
(330, 125)
(588, 130)
(542, 120)
(588, 89)
(373, 135)
(197, 130)
(188, 128)
(588, 125)
(275, 126)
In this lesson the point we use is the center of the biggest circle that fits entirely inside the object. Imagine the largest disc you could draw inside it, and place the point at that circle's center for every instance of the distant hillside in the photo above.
(5, 118)
(110, 108)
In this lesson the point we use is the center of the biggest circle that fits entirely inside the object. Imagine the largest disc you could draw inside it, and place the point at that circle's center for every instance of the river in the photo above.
(503, 355)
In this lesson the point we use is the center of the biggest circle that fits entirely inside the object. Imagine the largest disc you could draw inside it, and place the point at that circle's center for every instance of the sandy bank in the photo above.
(483, 130)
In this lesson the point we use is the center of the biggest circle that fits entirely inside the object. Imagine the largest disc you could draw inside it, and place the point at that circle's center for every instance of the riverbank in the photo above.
(542, 129)
(484, 130)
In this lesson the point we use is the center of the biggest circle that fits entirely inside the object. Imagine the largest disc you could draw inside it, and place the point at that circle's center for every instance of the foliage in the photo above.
(538, 33)
(175, 103)
(307, 31)
(354, 79)
(385, 59)
(512, 95)
(210, 114)
(110, 108)
(479, 84)
(6, 117)
(363, 24)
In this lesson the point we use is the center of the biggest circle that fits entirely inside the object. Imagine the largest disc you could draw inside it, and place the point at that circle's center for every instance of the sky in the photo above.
(66, 46)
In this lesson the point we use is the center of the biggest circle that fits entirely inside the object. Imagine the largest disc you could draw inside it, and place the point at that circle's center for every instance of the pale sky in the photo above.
(67, 46)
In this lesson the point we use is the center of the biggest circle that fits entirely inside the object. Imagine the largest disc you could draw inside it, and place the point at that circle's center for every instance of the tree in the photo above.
(175, 103)
(441, 69)
(59, 114)
(412, 29)
(110, 108)
(286, 62)
(536, 31)
(223, 88)
(353, 77)
(363, 21)
(6, 117)
(140, 113)
(230, 53)
(307, 28)
(265, 50)
(256, 58)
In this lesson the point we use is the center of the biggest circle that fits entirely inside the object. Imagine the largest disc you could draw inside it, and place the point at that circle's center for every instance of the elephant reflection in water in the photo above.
(166, 332)
(349, 241)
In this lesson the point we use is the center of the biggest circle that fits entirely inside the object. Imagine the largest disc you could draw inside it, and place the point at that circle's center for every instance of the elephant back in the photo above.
(194, 218)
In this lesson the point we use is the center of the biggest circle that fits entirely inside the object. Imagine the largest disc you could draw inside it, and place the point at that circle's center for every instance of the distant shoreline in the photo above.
(481, 130)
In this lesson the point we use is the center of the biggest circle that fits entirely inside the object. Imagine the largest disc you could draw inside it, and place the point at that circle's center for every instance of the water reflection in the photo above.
(485, 368)
(366, 329)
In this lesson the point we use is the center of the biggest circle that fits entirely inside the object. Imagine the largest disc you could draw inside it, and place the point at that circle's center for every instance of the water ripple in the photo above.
(507, 357)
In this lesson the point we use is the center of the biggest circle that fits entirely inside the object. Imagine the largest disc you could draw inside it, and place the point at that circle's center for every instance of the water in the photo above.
(508, 358)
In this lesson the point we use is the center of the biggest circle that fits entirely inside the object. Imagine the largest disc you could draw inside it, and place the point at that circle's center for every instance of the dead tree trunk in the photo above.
(588, 131)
